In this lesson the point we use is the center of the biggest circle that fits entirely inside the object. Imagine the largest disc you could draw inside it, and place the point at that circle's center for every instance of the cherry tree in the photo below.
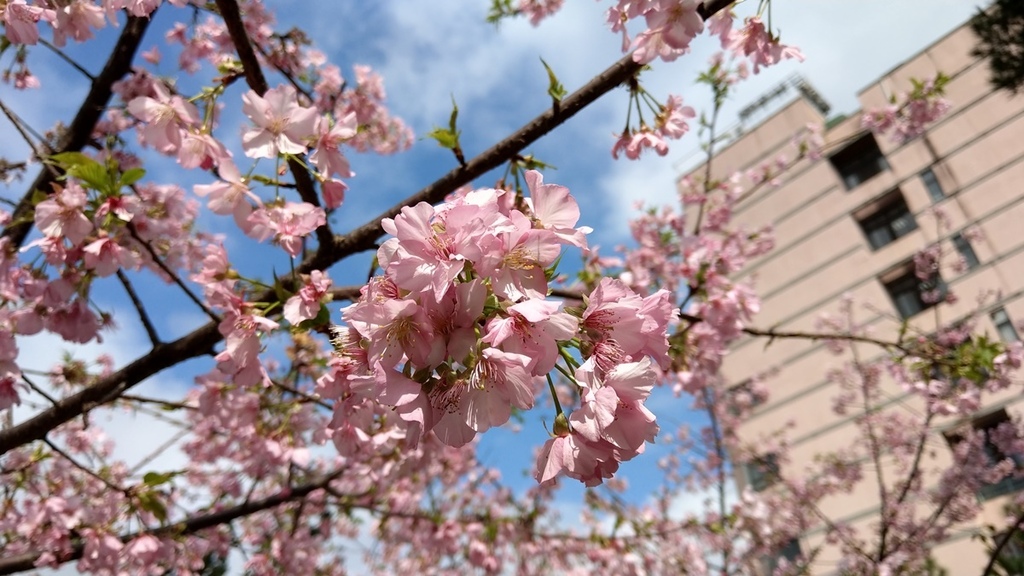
(310, 425)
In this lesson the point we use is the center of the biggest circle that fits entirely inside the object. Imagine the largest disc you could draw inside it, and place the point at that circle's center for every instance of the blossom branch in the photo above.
(79, 132)
(232, 16)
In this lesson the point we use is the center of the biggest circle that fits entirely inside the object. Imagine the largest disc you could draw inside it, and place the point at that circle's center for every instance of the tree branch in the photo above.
(23, 562)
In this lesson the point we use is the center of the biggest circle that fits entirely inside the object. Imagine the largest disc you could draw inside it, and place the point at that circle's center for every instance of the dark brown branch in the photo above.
(78, 133)
(23, 562)
(159, 358)
(1003, 543)
(154, 339)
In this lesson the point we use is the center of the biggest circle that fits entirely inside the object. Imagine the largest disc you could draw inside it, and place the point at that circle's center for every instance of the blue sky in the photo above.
(429, 52)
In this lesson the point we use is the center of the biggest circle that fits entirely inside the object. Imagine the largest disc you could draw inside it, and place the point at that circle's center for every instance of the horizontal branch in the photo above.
(27, 561)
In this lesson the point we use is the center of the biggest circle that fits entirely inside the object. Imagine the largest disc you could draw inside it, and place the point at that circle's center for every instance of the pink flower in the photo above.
(333, 191)
(679, 23)
(672, 120)
(76, 19)
(499, 381)
(9, 386)
(61, 216)
(396, 327)
(20, 21)
(282, 125)
(305, 305)
(328, 157)
(428, 252)
(525, 254)
(556, 210)
(762, 47)
(201, 151)
(231, 195)
(105, 256)
(533, 328)
(165, 117)
(288, 224)
(576, 457)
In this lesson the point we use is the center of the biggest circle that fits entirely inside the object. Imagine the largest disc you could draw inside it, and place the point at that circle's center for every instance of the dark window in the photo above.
(762, 472)
(1012, 482)
(859, 161)
(890, 221)
(1005, 326)
(790, 552)
(911, 295)
(963, 246)
(931, 183)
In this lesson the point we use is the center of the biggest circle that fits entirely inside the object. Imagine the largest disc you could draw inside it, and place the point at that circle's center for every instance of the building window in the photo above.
(963, 246)
(889, 221)
(762, 471)
(932, 185)
(987, 425)
(1004, 326)
(859, 161)
(790, 553)
(911, 295)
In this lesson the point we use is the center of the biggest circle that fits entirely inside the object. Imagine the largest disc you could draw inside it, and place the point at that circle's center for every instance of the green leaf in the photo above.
(158, 478)
(449, 137)
(555, 88)
(444, 137)
(323, 318)
(71, 159)
(131, 176)
(94, 176)
(150, 502)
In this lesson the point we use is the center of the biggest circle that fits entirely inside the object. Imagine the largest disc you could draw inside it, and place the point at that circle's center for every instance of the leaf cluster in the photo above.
(1000, 31)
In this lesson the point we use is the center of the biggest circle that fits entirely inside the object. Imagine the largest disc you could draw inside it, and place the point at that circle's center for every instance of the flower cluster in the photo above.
(909, 114)
(457, 333)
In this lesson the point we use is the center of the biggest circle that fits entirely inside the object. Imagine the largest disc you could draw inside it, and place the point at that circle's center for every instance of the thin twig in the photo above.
(174, 277)
(84, 468)
(139, 308)
(20, 127)
(60, 53)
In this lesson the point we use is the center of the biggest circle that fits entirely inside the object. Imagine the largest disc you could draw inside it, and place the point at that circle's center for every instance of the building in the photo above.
(851, 223)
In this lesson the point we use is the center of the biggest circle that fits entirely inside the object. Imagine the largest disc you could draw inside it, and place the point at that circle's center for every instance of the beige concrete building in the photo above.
(850, 223)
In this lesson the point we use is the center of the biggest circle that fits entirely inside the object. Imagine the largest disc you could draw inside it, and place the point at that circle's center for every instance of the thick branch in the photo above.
(77, 134)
